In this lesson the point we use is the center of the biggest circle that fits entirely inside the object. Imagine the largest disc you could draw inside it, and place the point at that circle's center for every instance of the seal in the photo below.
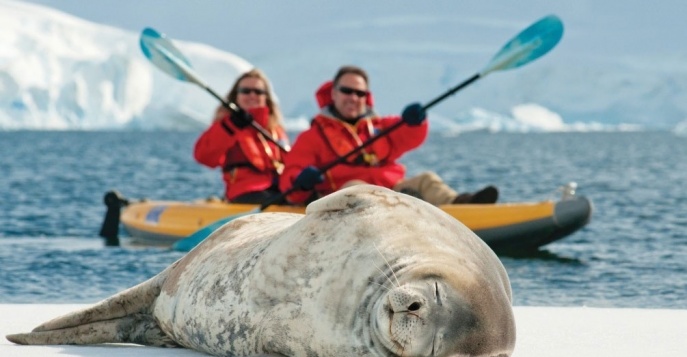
(365, 272)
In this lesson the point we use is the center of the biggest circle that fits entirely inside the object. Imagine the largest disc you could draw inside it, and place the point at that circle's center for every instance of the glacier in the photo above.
(60, 72)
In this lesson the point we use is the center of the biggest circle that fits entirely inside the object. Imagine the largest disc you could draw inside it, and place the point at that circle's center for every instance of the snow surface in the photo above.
(617, 67)
(542, 332)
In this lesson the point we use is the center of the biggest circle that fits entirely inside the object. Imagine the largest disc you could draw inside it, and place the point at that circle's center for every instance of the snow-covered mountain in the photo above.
(61, 72)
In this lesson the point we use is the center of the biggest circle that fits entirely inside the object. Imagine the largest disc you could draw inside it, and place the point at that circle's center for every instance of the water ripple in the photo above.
(631, 255)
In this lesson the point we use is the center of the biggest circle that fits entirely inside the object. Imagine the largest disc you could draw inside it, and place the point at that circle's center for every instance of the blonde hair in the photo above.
(275, 118)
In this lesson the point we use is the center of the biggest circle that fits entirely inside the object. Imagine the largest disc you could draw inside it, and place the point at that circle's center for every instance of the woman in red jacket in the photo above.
(251, 164)
(344, 123)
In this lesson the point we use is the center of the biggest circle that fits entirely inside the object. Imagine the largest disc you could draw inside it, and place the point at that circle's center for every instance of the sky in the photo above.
(250, 28)
(618, 61)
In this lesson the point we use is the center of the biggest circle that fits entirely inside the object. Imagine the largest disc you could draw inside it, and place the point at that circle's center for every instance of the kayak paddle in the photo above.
(162, 53)
(530, 44)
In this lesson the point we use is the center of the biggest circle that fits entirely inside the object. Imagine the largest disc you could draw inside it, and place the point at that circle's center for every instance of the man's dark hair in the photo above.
(350, 69)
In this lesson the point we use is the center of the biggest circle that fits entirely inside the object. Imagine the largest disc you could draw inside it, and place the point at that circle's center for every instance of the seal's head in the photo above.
(434, 316)
(433, 289)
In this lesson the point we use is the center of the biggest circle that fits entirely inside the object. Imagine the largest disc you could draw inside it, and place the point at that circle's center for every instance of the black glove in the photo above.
(308, 178)
(240, 118)
(414, 114)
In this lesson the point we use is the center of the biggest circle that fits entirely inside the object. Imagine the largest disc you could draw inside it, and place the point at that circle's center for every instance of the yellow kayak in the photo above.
(503, 226)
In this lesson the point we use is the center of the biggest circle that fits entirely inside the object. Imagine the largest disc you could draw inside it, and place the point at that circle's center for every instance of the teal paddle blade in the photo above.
(190, 242)
(162, 53)
(530, 44)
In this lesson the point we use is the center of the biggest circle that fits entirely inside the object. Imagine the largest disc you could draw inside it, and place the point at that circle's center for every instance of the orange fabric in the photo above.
(313, 148)
(338, 134)
(250, 145)
(218, 147)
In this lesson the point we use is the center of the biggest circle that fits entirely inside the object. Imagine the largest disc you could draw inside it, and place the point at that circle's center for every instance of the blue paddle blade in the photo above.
(530, 44)
(162, 53)
(188, 243)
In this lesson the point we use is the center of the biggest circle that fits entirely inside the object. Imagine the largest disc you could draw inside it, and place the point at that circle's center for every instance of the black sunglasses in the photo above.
(348, 90)
(257, 91)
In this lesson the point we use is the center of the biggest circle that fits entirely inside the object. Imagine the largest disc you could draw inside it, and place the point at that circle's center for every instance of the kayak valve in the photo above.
(568, 190)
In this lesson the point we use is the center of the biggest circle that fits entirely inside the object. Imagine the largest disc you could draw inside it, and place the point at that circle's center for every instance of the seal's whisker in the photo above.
(389, 265)
(388, 278)
(382, 285)
(434, 342)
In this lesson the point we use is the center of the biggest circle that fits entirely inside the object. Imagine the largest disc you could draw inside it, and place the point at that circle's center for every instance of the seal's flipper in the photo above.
(124, 317)
(130, 301)
(141, 329)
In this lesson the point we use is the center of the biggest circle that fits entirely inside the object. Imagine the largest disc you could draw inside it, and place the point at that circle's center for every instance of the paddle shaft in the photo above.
(398, 124)
(373, 139)
(176, 65)
(452, 91)
(528, 45)
(233, 108)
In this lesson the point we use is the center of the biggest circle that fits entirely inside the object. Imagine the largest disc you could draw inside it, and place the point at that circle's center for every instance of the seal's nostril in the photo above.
(414, 306)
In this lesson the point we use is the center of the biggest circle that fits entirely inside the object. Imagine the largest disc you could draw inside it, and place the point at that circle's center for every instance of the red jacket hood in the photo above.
(324, 95)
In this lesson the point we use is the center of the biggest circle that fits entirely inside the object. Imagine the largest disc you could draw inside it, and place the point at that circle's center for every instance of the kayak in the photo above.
(505, 227)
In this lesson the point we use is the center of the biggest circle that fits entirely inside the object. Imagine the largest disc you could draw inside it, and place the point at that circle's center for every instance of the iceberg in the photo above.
(60, 72)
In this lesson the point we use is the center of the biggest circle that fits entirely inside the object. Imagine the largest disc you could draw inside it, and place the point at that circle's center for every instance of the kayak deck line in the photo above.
(503, 226)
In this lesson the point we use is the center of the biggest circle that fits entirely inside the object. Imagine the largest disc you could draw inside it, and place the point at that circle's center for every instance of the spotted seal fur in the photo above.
(365, 272)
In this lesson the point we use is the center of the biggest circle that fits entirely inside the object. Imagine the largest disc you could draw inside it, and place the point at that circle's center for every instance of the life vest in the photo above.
(331, 128)
(255, 149)
(342, 138)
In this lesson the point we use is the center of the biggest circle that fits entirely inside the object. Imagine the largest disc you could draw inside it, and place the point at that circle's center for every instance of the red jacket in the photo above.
(247, 159)
(329, 138)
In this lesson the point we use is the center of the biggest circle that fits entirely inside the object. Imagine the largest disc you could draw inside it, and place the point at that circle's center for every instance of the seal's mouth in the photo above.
(381, 332)
(403, 320)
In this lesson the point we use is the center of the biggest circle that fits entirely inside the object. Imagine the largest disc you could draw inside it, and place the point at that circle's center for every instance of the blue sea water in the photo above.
(632, 254)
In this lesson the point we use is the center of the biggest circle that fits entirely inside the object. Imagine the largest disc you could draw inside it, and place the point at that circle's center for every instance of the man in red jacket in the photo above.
(345, 122)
